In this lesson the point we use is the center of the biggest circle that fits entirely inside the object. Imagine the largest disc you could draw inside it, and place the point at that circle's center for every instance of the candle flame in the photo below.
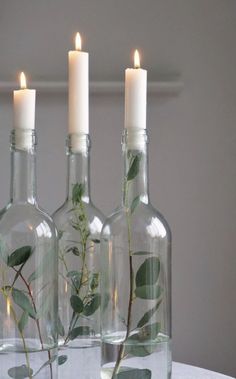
(78, 42)
(8, 307)
(23, 84)
(136, 59)
(66, 287)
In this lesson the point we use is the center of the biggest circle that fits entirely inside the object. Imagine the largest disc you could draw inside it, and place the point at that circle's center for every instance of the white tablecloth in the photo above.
(182, 371)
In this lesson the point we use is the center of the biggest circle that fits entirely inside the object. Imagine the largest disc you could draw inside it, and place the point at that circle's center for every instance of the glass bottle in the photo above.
(79, 224)
(136, 277)
(28, 273)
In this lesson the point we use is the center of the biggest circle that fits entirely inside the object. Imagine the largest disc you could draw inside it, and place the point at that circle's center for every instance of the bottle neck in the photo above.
(135, 181)
(78, 155)
(23, 167)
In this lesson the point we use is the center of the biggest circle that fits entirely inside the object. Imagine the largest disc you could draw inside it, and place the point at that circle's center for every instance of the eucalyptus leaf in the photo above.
(134, 168)
(148, 292)
(148, 315)
(60, 234)
(133, 373)
(92, 305)
(140, 349)
(76, 304)
(149, 331)
(143, 343)
(23, 302)
(23, 321)
(77, 192)
(95, 240)
(75, 226)
(60, 327)
(142, 253)
(94, 281)
(20, 372)
(73, 274)
(74, 250)
(126, 373)
(134, 204)
(148, 272)
(19, 256)
(6, 288)
(49, 362)
(62, 359)
(80, 331)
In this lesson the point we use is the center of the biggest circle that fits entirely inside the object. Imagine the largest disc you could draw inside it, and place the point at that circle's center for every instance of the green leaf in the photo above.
(149, 332)
(6, 288)
(73, 274)
(148, 315)
(142, 253)
(95, 240)
(134, 168)
(134, 374)
(20, 372)
(77, 192)
(60, 234)
(134, 204)
(80, 331)
(23, 321)
(76, 304)
(92, 305)
(148, 272)
(140, 350)
(148, 292)
(49, 362)
(62, 359)
(23, 302)
(143, 343)
(74, 250)
(19, 256)
(60, 327)
(94, 281)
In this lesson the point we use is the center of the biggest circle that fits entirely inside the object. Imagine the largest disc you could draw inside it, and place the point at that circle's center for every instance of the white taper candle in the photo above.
(78, 89)
(24, 106)
(135, 95)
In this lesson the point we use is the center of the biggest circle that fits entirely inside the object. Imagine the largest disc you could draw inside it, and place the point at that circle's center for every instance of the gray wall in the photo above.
(192, 164)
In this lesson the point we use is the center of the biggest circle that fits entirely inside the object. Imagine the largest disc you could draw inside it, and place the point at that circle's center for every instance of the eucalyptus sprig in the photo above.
(143, 285)
(84, 299)
(24, 299)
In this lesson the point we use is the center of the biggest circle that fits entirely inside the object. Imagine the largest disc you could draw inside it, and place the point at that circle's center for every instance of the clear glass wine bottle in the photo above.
(136, 277)
(79, 224)
(28, 273)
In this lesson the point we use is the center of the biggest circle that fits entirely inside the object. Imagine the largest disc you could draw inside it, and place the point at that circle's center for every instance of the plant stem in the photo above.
(36, 320)
(122, 346)
(23, 341)
(75, 317)
(21, 334)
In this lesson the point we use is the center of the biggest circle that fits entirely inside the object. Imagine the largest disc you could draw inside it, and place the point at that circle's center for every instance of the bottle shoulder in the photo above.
(144, 219)
(26, 217)
(65, 216)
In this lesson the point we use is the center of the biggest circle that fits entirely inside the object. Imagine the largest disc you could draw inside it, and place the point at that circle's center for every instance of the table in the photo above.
(182, 371)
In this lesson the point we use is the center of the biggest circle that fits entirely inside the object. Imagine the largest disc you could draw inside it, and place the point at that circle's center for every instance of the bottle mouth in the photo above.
(134, 139)
(78, 143)
(23, 139)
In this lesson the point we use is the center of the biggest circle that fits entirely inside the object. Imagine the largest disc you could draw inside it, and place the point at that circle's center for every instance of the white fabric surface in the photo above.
(182, 371)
